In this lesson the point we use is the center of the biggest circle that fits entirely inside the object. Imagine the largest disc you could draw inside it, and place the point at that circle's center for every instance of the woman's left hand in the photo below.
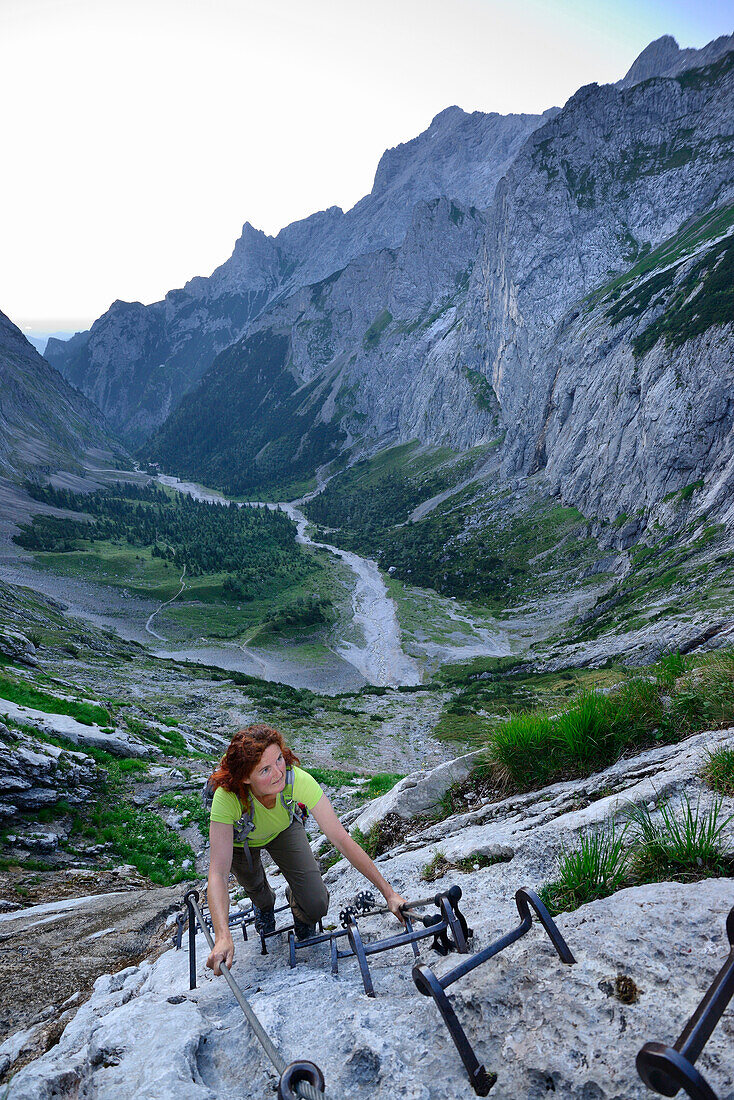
(334, 831)
(394, 901)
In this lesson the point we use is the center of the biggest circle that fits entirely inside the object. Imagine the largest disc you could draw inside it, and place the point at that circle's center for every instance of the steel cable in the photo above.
(303, 1088)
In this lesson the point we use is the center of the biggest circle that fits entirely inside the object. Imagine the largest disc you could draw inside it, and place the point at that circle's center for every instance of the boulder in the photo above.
(16, 647)
(34, 774)
(416, 794)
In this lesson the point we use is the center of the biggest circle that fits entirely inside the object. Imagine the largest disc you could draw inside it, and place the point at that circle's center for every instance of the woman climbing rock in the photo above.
(260, 800)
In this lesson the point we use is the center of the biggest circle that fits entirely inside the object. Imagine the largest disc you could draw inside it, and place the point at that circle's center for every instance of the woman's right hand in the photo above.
(222, 952)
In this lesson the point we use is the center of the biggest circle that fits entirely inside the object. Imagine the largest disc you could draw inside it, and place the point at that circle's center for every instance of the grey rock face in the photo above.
(615, 174)
(623, 433)
(460, 156)
(136, 360)
(44, 422)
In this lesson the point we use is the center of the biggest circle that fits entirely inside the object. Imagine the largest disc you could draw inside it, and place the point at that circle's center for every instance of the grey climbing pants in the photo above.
(309, 898)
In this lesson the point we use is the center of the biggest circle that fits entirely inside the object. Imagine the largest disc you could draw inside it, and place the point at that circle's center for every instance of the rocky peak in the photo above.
(664, 57)
(655, 59)
(254, 264)
(460, 155)
(395, 160)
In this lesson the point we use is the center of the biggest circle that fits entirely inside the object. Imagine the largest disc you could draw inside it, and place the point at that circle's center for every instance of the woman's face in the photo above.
(268, 776)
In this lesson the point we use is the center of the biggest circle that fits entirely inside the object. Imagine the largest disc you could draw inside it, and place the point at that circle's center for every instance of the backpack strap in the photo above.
(242, 827)
(288, 800)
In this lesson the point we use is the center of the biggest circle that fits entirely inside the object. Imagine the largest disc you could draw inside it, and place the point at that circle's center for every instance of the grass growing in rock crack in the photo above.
(436, 867)
(368, 842)
(594, 869)
(329, 856)
(384, 834)
(439, 865)
(686, 844)
(718, 771)
(467, 793)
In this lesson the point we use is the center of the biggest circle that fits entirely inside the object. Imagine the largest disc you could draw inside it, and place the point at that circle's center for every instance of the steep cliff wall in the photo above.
(612, 177)
(44, 423)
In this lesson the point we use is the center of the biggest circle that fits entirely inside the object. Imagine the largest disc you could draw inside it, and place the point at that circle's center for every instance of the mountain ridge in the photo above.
(173, 342)
(471, 356)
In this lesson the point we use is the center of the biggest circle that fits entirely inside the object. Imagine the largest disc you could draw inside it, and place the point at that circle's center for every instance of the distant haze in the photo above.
(39, 338)
(140, 134)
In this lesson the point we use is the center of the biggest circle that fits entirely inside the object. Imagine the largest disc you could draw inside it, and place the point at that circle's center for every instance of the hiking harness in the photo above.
(245, 824)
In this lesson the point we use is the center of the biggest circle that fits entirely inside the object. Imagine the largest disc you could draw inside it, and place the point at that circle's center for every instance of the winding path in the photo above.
(380, 659)
(148, 627)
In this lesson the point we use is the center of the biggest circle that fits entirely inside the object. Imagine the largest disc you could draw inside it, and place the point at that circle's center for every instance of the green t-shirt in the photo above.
(227, 809)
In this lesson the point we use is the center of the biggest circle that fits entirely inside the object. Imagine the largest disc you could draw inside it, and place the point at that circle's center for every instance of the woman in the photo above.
(260, 800)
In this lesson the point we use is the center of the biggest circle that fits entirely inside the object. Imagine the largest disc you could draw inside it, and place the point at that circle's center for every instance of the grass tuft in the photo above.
(594, 869)
(686, 846)
(683, 845)
(384, 834)
(436, 867)
(718, 771)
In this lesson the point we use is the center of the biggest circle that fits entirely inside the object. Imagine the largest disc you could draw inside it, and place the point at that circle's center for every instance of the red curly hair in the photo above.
(245, 749)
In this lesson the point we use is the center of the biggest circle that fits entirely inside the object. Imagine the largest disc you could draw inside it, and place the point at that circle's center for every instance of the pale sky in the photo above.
(138, 135)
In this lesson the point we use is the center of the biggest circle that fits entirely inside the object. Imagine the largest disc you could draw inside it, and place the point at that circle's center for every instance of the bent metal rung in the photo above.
(432, 986)
(449, 919)
(666, 1069)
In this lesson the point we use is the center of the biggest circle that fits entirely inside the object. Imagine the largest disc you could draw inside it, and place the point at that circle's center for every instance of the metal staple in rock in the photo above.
(667, 1069)
(296, 1086)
